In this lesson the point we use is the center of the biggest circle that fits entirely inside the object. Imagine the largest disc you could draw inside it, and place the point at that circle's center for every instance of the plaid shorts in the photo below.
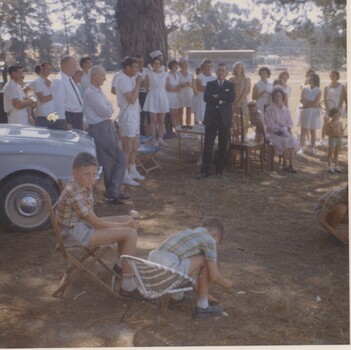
(170, 260)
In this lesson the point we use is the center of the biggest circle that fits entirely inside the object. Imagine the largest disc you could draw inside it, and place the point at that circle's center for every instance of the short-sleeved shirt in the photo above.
(329, 200)
(43, 109)
(191, 242)
(74, 203)
(14, 91)
(123, 84)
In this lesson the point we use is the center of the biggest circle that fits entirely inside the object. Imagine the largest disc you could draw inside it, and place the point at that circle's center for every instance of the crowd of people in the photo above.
(145, 94)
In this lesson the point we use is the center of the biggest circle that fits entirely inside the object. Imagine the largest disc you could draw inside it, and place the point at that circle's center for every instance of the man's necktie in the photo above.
(70, 80)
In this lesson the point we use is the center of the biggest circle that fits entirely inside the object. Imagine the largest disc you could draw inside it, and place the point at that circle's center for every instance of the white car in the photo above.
(33, 159)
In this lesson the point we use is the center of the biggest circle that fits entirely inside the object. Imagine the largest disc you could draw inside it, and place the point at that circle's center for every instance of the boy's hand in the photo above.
(227, 284)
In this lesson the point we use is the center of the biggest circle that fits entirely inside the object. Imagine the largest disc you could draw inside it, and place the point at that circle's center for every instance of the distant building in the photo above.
(229, 57)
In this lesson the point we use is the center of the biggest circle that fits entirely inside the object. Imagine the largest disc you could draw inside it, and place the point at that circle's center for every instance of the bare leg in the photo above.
(303, 136)
(336, 154)
(188, 115)
(153, 119)
(330, 153)
(127, 143)
(313, 138)
(125, 237)
(161, 125)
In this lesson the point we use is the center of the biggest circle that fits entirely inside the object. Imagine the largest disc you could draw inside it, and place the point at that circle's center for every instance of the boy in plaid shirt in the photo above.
(80, 225)
(332, 209)
(191, 251)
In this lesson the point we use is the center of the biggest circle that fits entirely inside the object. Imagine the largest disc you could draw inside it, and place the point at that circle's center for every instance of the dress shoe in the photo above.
(113, 200)
(219, 173)
(123, 196)
(202, 176)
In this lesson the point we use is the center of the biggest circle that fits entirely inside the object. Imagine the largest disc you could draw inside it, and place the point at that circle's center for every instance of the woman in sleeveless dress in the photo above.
(201, 81)
(262, 90)
(156, 101)
(310, 116)
(242, 85)
(173, 88)
(334, 98)
(186, 92)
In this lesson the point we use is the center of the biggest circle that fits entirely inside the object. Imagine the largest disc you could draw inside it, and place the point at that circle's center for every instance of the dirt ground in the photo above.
(291, 281)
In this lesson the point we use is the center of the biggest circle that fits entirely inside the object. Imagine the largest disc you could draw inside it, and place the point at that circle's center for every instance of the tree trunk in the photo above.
(141, 25)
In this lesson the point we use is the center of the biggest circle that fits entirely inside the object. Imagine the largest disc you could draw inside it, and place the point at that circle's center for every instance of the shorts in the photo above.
(79, 234)
(170, 260)
(335, 142)
(129, 124)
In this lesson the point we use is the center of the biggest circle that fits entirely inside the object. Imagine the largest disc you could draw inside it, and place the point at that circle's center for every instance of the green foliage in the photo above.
(205, 26)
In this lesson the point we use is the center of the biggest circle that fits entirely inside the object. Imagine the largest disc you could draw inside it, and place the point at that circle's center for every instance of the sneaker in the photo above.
(211, 310)
(338, 169)
(175, 303)
(155, 143)
(330, 170)
(162, 143)
(300, 151)
(134, 174)
(314, 151)
(117, 270)
(133, 295)
(129, 181)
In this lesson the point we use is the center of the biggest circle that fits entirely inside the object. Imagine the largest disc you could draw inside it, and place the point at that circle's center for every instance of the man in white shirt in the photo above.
(98, 111)
(68, 103)
(15, 100)
(127, 91)
(85, 64)
(42, 89)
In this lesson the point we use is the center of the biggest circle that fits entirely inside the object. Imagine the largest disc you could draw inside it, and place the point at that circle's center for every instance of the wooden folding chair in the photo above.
(155, 281)
(80, 258)
(246, 148)
(146, 158)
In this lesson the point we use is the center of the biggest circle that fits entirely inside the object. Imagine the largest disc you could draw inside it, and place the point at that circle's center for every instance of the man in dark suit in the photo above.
(219, 96)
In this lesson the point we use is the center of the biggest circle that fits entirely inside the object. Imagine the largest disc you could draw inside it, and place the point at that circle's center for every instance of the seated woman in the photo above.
(278, 123)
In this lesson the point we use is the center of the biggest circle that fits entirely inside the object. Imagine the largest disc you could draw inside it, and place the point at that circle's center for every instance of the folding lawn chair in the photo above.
(80, 258)
(155, 281)
(146, 158)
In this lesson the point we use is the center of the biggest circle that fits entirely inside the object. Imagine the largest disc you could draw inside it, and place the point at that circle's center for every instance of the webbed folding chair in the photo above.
(80, 258)
(146, 158)
(155, 281)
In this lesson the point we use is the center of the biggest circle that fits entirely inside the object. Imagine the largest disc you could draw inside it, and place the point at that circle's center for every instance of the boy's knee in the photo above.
(131, 234)
(340, 209)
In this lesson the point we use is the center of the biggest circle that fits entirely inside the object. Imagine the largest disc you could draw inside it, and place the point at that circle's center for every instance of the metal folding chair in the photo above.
(146, 158)
(155, 281)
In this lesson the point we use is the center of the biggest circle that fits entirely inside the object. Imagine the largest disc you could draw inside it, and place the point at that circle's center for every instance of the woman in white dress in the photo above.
(173, 88)
(334, 97)
(310, 116)
(186, 91)
(156, 101)
(201, 81)
(262, 90)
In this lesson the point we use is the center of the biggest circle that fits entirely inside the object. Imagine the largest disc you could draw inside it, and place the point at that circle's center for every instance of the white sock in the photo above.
(128, 283)
(202, 303)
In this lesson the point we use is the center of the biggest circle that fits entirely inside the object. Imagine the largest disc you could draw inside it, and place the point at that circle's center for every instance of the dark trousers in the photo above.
(75, 119)
(112, 159)
(144, 116)
(41, 121)
(213, 128)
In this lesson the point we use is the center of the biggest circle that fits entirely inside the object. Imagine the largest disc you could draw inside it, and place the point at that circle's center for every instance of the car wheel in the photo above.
(22, 206)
